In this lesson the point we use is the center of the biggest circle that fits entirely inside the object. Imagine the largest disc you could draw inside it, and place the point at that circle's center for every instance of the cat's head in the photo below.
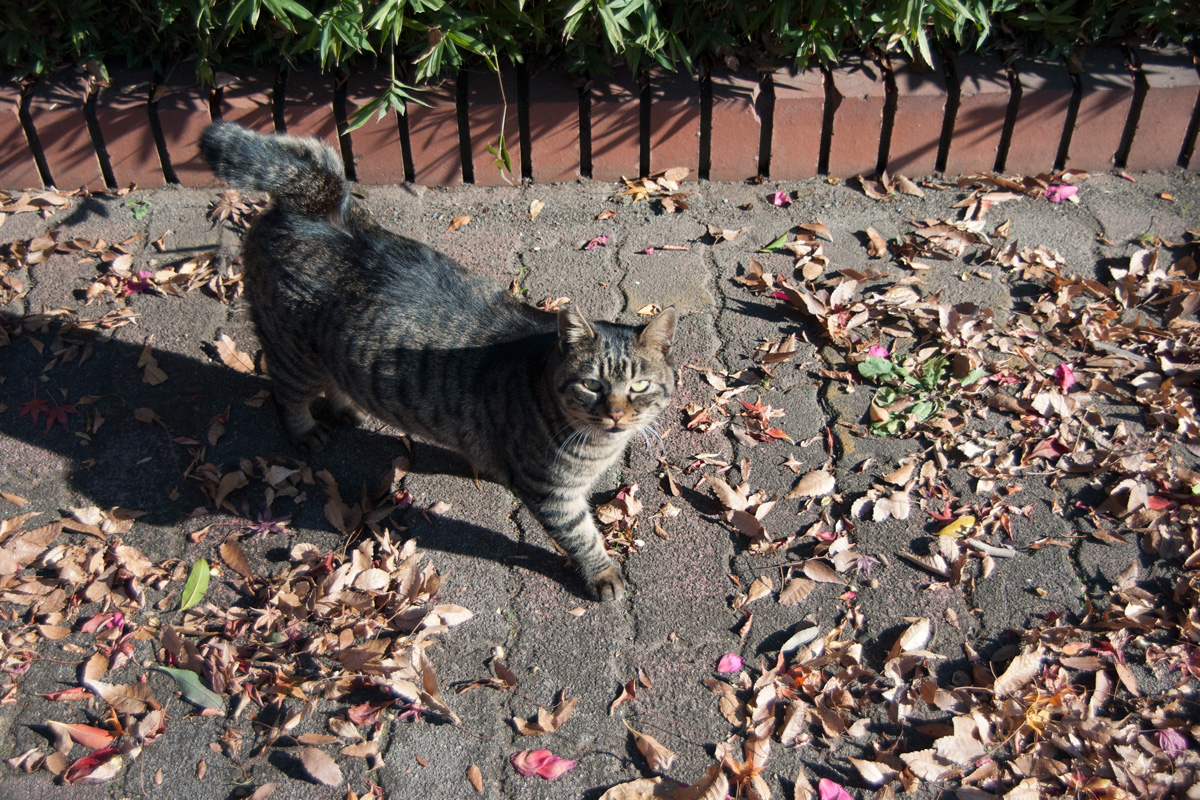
(614, 378)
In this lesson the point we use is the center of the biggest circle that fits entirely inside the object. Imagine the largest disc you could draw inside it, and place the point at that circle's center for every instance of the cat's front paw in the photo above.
(349, 416)
(314, 439)
(608, 585)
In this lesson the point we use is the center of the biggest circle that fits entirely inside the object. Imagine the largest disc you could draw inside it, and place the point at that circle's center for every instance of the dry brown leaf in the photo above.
(264, 791)
(726, 234)
(906, 186)
(817, 229)
(915, 637)
(232, 357)
(320, 767)
(606, 214)
(761, 587)
(535, 208)
(476, 778)
(901, 475)
(901, 504)
(713, 786)
(658, 757)
(795, 591)
(817, 483)
(54, 633)
(458, 222)
(124, 698)
(821, 572)
(627, 693)
(233, 554)
(152, 375)
(925, 764)
(546, 721)
(95, 668)
(876, 245)
(89, 736)
(874, 189)
(725, 493)
(344, 728)
(873, 772)
(640, 789)
(504, 673)
(1127, 678)
(1021, 671)
(804, 634)
(962, 747)
(363, 750)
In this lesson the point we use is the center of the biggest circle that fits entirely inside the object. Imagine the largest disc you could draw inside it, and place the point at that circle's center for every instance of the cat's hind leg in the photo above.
(342, 407)
(298, 379)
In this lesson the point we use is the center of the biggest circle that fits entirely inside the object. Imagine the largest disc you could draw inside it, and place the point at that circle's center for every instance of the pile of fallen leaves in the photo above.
(273, 649)
(1059, 713)
(662, 186)
(119, 277)
(1062, 711)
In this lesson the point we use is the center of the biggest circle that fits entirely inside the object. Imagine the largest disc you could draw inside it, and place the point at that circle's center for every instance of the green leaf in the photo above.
(875, 367)
(775, 246)
(922, 411)
(889, 428)
(192, 688)
(975, 376)
(907, 377)
(931, 373)
(885, 396)
(196, 586)
(280, 8)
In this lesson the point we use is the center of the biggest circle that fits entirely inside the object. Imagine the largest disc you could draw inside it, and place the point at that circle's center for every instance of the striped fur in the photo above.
(381, 324)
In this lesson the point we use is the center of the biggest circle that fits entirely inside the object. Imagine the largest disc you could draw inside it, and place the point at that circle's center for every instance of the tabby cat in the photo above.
(379, 323)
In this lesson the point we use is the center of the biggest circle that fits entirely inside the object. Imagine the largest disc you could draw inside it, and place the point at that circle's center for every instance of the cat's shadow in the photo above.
(129, 444)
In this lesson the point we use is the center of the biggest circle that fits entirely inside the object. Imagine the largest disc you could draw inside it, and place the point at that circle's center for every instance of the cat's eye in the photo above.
(593, 385)
(639, 386)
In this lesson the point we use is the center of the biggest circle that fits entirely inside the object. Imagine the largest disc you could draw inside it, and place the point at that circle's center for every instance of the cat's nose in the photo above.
(616, 414)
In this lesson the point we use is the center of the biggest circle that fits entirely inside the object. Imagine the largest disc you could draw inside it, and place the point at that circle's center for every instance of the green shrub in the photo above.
(423, 38)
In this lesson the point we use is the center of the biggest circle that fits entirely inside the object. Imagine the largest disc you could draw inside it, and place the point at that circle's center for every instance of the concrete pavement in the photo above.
(683, 611)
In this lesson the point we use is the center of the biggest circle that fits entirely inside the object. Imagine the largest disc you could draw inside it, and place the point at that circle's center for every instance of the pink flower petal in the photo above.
(649, 251)
(542, 763)
(831, 791)
(1064, 376)
(1060, 192)
(730, 662)
(781, 198)
(878, 350)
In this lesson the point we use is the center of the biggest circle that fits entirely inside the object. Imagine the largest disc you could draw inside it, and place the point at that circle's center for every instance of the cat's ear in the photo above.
(573, 327)
(660, 331)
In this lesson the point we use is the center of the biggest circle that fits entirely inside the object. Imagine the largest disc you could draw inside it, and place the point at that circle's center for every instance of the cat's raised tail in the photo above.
(304, 176)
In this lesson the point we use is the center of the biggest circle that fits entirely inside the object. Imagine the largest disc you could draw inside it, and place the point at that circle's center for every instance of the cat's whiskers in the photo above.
(582, 433)
(651, 429)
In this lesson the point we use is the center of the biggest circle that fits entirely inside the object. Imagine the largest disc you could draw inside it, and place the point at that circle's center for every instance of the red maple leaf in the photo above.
(945, 515)
(59, 413)
(33, 408)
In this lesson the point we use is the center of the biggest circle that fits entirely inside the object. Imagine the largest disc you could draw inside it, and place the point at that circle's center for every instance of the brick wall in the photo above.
(1111, 109)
